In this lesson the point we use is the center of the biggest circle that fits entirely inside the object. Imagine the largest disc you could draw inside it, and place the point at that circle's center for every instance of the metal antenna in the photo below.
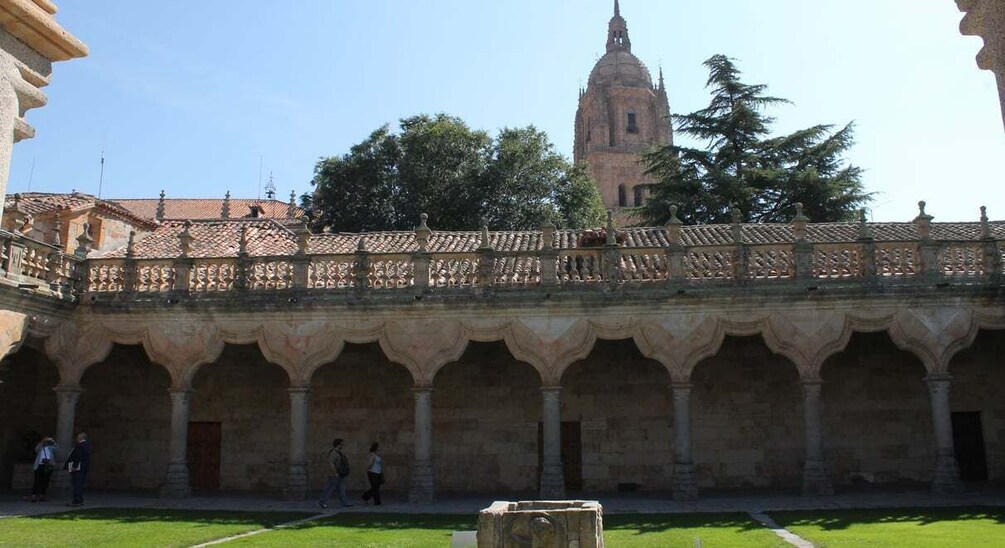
(101, 174)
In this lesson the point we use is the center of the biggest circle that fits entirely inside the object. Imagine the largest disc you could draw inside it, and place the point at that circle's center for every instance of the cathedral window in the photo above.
(640, 195)
(632, 126)
(622, 196)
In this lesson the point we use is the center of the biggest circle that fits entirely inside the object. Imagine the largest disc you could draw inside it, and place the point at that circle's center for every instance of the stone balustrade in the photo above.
(40, 267)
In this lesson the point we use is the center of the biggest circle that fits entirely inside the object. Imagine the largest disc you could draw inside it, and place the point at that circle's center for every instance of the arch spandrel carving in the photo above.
(680, 342)
(807, 337)
(935, 335)
(550, 344)
(75, 346)
(423, 346)
(300, 348)
(13, 330)
(182, 347)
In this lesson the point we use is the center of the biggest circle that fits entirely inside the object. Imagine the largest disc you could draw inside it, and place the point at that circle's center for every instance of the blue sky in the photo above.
(191, 96)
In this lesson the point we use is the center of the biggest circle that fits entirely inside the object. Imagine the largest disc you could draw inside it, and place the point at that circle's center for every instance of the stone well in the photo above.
(542, 524)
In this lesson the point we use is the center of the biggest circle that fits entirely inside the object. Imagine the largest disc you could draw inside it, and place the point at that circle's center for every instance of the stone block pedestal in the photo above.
(545, 524)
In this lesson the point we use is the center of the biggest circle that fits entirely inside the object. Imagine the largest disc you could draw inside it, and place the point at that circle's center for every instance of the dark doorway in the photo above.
(968, 439)
(204, 455)
(572, 454)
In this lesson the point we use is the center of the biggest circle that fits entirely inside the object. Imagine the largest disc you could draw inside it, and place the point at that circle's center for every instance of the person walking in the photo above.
(45, 464)
(337, 475)
(374, 474)
(79, 463)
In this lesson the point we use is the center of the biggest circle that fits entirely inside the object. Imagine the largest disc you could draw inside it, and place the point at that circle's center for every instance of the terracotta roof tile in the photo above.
(40, 203)
(207, 208)
(220, 238)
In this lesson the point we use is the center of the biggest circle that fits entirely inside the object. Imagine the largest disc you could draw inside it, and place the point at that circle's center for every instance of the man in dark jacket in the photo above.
(78, 463)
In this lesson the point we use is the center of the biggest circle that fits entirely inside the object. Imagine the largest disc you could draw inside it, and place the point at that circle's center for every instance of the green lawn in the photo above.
(359, 530)
(714, 530)
(112, 527)
(923, 527)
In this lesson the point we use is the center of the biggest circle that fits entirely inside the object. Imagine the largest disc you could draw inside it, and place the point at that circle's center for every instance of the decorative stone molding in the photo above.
(423, 346)
(934, 335)
(300, 348)
(986, 18)
(679, 343)
(75, 346)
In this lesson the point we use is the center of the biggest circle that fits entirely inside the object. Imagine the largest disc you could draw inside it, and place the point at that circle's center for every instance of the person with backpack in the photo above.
(339, 471)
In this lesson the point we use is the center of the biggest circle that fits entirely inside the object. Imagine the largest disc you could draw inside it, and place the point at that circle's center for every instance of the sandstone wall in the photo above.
(125, 410)
(486, 410)
(746, 416)
(877, 414)
(623, 403)
(978, 384)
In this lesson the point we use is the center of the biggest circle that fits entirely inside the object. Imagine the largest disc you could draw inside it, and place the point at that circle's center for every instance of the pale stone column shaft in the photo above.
(552, 475)
(815, 478)
(423, 487)
(8, 118)
(67, 396)
(176, 484)
(297, 483)
(947, 472)
(685, 487)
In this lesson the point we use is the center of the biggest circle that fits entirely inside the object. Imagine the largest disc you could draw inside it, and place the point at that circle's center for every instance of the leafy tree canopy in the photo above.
(459, 176)
(743, 167)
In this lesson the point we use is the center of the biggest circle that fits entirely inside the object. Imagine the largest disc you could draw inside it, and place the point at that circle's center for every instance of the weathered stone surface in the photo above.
(544, 524)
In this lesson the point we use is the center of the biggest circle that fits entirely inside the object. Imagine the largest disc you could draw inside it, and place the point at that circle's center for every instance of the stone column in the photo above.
(685, 487)
(552, 474)
(815, 479)
(423, 488)
(68, 397)
(297, 483)
(8, 119)
(176, 484)
(947, 472)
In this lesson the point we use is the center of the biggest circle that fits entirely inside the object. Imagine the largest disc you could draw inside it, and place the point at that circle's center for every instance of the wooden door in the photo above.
(204, 455)
(968, 440)
(572, 454)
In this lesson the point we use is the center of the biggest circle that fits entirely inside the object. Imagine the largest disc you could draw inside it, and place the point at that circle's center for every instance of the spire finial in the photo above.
(159, 215)
(617, 31)
(225, 206)
(617, 8)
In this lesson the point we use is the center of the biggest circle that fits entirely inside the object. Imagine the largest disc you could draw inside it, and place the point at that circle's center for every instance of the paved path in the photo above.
(614, 503)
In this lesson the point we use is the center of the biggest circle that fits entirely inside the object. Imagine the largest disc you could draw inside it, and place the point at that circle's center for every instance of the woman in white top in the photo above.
(45, 465)
(374, 474)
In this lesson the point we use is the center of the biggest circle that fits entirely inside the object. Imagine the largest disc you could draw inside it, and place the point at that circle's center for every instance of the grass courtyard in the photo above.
(853, 528)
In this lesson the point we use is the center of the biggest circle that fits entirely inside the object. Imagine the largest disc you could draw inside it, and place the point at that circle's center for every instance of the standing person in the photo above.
(79, 463)
(374, 474)
(339, 464)
(45, 464)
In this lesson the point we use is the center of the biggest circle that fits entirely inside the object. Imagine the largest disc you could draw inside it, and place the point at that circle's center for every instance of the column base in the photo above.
(685, 486)
(423, 487)
(552, 482)
(816, 481)
(60, 485)
(947, 476)
(176, 486)
(296, 484)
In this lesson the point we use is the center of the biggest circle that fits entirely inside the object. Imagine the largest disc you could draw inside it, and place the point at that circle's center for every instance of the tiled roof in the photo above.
(207, 208)
(220, 238)
(40, 203)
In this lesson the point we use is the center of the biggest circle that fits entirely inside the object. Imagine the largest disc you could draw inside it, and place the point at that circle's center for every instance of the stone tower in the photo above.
(621, 114)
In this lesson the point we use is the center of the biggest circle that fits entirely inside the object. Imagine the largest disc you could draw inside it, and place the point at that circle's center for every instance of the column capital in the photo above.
(74, 389)
(811, 381)
(305, 390)
(423, 390)
(681, 385)
(179, 391)
(936, 378)
(551, 389)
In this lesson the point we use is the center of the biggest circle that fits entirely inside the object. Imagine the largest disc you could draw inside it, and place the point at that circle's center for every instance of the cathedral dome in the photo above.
(619, 67)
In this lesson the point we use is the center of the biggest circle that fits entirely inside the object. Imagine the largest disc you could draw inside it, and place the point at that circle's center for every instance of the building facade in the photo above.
(621, 114)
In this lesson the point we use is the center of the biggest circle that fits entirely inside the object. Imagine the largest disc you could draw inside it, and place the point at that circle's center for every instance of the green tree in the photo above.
(459, 176)
(741, 166)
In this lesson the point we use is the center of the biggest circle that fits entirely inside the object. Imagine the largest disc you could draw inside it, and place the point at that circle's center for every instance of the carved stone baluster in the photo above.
(301, 261)
(183, 264)
(868, 243)
(674, 249)
(486, 260)
(928, 248)
(421, 259)
(741, 253)
(992, 259)
(548, 255)
(802, 249)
